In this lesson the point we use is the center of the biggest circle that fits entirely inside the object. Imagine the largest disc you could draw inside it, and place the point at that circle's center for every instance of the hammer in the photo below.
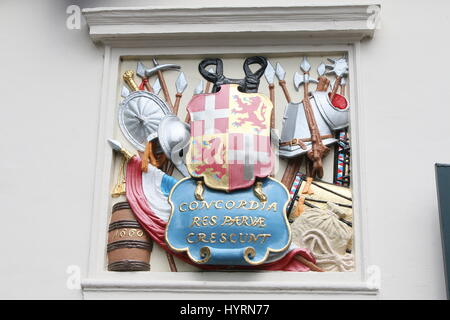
(158, 69)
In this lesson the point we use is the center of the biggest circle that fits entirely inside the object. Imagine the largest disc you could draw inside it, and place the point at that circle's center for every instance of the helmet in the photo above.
(335, 114)
(174, 136)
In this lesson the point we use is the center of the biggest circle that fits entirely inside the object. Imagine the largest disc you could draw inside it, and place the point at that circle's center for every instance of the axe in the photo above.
(140, 71)
(294, 164)
(318, 150)
(340, 69)
(305, 78)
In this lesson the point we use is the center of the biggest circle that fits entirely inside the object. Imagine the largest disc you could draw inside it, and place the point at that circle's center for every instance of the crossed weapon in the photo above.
(318, 150)
(316, 154)
(149, 155)
(150, 150)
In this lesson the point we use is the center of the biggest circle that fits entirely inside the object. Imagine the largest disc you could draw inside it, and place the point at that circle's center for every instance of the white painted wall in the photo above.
(48, 133)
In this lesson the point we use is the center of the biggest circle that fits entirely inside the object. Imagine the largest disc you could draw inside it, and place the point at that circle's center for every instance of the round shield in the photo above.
(139, 116)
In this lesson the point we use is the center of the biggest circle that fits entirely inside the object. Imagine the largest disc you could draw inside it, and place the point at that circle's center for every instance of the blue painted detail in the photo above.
(228, 224)
(167, 184)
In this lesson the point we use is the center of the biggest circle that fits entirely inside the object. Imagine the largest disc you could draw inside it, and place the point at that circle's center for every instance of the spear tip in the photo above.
(280, 72)
(305, 66)
(181, 83)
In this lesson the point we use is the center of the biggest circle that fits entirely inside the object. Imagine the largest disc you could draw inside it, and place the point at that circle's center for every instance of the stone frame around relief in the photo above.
(125, 34)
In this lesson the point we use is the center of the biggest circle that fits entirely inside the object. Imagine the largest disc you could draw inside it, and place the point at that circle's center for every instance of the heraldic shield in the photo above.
(230, 138)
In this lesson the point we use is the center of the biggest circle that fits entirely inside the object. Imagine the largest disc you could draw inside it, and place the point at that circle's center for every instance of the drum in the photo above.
(129, 246)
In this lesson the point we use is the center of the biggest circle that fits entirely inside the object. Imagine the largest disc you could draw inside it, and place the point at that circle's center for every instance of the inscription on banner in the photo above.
(228, 228)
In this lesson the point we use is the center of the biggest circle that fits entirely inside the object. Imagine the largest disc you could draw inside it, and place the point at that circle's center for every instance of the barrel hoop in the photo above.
(129, 265)
(120, 206)
(129, 244)
(124, 224)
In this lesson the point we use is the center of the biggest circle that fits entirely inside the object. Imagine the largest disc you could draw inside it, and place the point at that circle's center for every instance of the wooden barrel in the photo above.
(129, 246)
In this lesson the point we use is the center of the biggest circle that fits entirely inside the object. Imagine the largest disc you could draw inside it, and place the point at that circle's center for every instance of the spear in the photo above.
(180, 85)
(198, 90)
(343, 86)
(156, 87)
(208, 84)
(281, 75)
(318, 149)
(323, 81)
(120, 188)
(269, 74)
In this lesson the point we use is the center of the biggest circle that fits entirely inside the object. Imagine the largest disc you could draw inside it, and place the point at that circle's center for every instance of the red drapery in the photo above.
(156, 227)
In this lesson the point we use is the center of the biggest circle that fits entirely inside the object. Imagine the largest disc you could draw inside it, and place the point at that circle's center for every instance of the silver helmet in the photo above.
(174, 136)
(336, 118)
(295, 125)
